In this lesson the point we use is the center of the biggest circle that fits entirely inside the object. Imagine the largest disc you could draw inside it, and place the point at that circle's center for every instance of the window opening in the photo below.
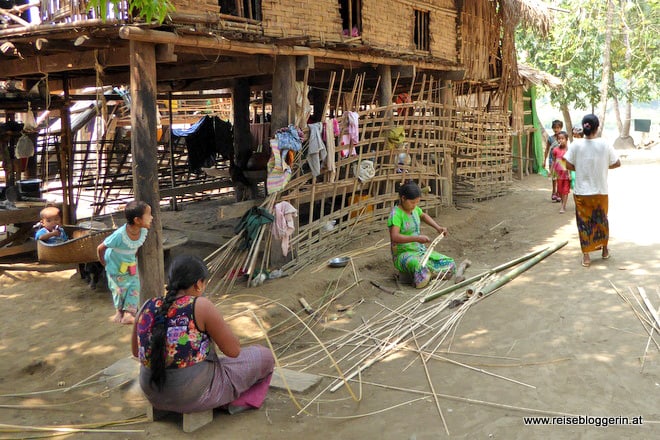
(351, 17)
(241, 8)
(421, 35)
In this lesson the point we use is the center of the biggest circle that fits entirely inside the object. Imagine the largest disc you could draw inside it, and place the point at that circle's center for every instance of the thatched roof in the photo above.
(538, 77)
(530, 13)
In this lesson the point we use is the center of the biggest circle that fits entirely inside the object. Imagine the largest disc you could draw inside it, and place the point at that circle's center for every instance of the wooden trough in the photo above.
(77, 250)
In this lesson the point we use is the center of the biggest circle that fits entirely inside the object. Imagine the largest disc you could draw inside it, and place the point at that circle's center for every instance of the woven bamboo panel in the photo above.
(196, 6)
(453, 152)
(319, 20)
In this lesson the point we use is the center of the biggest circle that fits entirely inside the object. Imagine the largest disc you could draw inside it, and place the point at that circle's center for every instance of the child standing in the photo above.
(51, 230)
(118, 254)
(407, 243)
(557, 126)
(560, 171)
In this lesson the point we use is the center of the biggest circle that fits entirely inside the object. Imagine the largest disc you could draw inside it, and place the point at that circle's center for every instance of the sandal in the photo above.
(606, 254)
(586, 262)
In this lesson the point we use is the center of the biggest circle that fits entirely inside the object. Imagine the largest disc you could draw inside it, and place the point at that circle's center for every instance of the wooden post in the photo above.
(447, 100)
(66, 158)
(284, 103)
(171, 146)
(284, 91)
(242, 138)
(145, 163)
(385, 90)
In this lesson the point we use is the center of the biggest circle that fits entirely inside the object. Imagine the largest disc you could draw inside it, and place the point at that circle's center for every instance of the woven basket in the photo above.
(76, 250)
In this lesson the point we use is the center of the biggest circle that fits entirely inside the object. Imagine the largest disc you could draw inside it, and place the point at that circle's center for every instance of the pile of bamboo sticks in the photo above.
(647, 314)
(230, 263)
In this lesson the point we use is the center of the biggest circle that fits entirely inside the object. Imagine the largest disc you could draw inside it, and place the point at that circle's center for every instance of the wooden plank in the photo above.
(37, 267)
(195, 188)
(28, 246)
(297, 381)
(199, 236)
(236, 210)
(21, 215)
(40, 65)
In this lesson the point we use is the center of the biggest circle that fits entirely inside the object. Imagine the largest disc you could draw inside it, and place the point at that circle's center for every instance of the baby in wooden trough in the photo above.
(51, 230)
(409, 251)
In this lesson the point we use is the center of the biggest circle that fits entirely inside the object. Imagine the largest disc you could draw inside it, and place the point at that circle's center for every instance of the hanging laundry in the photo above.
(289, 138)
(330, 134)
(350, 133)
(316, 151)
(395, 137)
(303, 107)
(279, 171)
(284, 225)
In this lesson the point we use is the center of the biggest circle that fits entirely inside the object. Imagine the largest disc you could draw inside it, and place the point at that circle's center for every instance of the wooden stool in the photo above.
(191, 421)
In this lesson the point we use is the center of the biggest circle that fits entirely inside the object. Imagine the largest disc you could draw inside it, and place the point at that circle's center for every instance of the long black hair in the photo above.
(590, 124)
(184, 271)
(410, 190)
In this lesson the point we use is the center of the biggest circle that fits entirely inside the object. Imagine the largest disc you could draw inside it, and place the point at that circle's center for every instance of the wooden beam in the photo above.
(144, 148)
(221, 44)
(39, 65)
(208, 72)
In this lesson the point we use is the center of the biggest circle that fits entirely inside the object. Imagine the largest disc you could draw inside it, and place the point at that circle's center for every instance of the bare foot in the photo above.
(606, 253)
(562, 210)
(128, 318)
(586, 260)
(118, 317)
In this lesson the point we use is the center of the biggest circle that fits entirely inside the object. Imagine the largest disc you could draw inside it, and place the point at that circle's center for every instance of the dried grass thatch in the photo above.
(530, 13)
(538, 77)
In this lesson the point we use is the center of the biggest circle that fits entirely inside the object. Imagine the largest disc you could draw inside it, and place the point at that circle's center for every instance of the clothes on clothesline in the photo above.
(332, 127)
(278, 168)
(350, 133)
(284, 225)
(204, 140)
(316, 151)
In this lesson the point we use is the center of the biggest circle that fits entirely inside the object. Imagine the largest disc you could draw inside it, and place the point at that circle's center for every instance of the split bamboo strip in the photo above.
(649, 305)
(429, 249)
(428, 378)
(641, 319)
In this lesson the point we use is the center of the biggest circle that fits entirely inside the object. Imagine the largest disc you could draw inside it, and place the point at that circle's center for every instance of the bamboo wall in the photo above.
(389, 24)
(196, 6)
(480, 39)
(295, 18)
(455, 153)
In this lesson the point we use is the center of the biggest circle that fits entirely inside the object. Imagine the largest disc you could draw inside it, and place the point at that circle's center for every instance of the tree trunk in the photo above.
(625, 140)
(144, 149)
(568, 122)
(605, 78)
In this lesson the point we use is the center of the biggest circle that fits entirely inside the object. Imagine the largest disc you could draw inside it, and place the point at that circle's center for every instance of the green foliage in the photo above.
(574, 50)
(149, 10)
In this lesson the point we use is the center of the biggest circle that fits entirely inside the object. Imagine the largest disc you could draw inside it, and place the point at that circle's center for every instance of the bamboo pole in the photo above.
(480, 276)
(649, 305)
(487, 290)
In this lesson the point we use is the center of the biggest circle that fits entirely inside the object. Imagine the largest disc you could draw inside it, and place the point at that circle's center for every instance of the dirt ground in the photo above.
(557, 340)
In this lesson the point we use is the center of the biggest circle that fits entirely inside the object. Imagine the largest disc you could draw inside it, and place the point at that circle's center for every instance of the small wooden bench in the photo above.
(191, 421)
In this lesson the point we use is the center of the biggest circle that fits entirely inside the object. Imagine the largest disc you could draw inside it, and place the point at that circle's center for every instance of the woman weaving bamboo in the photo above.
(409, 251)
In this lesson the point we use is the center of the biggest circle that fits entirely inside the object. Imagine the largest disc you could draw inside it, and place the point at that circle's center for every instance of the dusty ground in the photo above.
(560, 331)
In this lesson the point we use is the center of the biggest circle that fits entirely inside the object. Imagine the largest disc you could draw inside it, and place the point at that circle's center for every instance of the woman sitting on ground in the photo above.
(409, 245)
(173, 338)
